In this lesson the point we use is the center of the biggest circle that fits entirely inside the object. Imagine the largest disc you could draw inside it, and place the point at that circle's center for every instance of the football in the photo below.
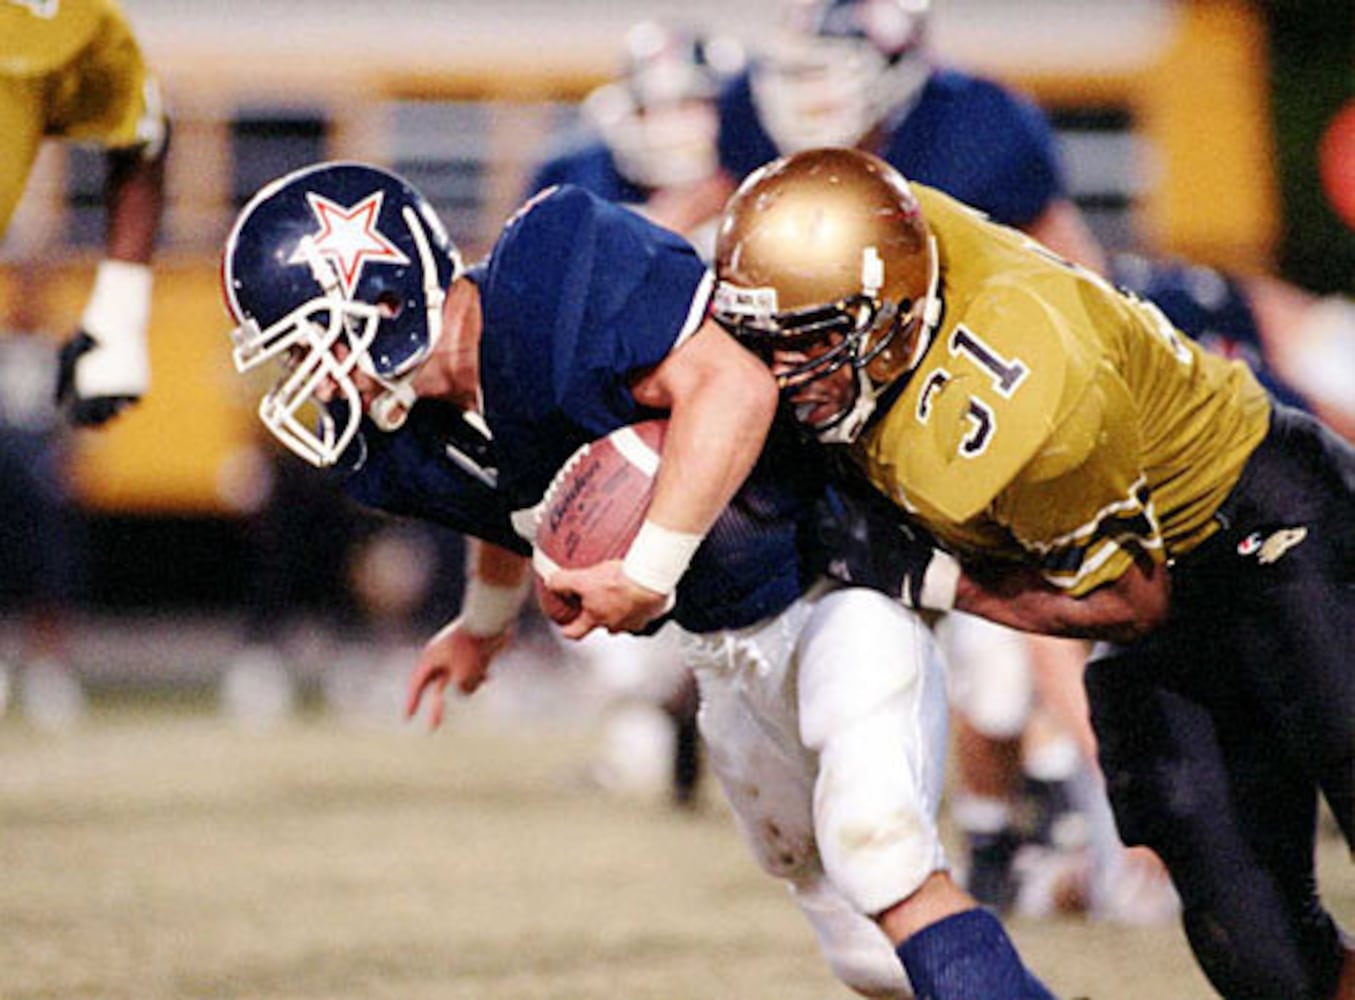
(595, 505)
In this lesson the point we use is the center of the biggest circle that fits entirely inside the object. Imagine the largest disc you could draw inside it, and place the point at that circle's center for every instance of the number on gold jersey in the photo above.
(1006, 375)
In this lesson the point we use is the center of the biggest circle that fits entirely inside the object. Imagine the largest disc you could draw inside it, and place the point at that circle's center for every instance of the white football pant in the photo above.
(826, 727)
(990, 674)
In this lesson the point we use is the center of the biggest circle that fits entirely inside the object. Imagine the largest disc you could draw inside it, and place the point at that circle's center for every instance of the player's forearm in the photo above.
(1123, 611)
(496, 565)
(496, 585)
(722, 401)
(135, 198)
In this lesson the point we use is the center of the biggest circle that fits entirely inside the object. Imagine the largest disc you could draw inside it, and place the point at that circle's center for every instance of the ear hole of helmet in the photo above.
(390, 304)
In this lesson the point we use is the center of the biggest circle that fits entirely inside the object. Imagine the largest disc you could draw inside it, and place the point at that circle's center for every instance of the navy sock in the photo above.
(968, 956)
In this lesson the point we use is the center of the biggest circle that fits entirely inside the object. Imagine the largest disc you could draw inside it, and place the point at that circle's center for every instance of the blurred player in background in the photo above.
(649, 137)
(649, 143)
(41, 535)
(454, 395)
(858, 73)
(1078, 452)
(72, 70)
(1301, 345)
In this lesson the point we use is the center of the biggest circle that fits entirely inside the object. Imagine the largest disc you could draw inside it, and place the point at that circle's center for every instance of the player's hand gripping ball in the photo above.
(595, 506)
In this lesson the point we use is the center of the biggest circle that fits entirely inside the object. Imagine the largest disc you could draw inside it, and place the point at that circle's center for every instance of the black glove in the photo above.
(105, 367)
(80, 411)
(867, 542)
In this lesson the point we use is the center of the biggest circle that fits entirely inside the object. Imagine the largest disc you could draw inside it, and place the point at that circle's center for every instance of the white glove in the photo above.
(104, 366)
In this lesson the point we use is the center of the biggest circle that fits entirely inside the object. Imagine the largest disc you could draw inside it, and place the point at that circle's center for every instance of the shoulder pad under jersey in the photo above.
(983, 405)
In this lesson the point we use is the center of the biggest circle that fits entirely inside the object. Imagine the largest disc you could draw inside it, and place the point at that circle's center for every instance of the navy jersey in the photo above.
(764, 550)
(578, 298)
(588, 164)
(967, 136)
(437, 468)
(1210, 307)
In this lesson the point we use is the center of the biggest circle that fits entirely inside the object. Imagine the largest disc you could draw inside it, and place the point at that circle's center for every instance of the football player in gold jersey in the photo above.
(72, 69)
(1085, 470)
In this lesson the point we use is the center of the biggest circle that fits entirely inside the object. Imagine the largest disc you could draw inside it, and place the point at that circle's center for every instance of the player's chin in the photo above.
(815, 412)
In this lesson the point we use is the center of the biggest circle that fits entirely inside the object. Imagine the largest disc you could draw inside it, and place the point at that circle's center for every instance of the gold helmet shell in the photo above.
(829, 245)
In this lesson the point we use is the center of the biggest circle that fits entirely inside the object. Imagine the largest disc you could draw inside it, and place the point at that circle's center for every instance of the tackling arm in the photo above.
(1123, 610)
(872, 549)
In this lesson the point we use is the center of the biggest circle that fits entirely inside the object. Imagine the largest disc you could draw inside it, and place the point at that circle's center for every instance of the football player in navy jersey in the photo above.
(648, 142)
(857, 73)
(648, 138)
(455, 394)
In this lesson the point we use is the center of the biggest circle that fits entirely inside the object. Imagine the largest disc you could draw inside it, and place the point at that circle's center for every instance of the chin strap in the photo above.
(390, 409)
(846, 428)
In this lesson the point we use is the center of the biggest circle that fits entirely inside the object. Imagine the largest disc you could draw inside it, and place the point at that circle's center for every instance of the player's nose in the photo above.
(784, 365)
(326, 389)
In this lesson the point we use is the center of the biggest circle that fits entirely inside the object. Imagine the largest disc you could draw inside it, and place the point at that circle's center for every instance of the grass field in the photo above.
(162, 854)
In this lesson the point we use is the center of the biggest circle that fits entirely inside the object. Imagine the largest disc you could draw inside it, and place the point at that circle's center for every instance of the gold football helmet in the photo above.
(824, 258)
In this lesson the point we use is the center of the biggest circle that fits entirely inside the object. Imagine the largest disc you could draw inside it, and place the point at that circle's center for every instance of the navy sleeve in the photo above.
(982, 144)
(410, 473)
(578, 298)
(744, 144)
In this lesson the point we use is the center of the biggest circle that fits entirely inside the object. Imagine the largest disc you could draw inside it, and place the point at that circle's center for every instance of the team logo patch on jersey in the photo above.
(349, 239)
(1271, 548)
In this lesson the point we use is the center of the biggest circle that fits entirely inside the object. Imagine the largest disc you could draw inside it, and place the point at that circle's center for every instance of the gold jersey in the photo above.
(1056, 419)
(69, 69)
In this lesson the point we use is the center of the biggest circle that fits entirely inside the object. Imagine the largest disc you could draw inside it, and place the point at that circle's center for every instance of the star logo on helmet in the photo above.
(348, 238)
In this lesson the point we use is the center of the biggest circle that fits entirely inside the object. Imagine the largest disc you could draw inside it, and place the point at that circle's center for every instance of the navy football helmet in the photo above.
(838, 69)
(659, 119)
(335, 268)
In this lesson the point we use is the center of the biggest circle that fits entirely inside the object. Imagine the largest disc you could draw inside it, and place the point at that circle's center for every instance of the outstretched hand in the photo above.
(453, 656)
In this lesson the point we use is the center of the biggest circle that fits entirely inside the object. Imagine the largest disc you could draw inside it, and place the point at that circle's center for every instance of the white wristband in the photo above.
(940, 582)
(489, 608)
(116, 316)
(659, 556)
(119, 307)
